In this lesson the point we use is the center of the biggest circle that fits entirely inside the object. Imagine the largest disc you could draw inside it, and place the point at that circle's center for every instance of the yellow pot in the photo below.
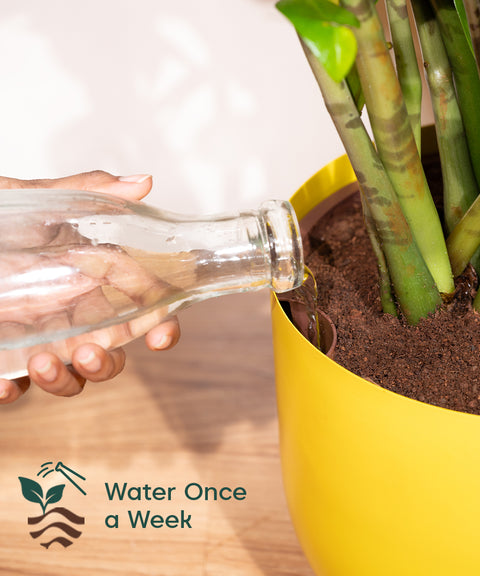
(377, 484)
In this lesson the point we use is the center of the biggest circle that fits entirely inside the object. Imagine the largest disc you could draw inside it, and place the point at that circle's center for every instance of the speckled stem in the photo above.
(412, 282)
(385, 285)
(472, 8)
(395, 141)
(459, 183)
(465, 239)
(465, 73)
(406, 62)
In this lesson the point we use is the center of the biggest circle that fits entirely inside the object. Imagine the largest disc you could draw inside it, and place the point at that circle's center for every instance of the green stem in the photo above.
(465, 239)
(412, 282)
(355, 87)
(395, 141)
(465, 73)
(472, 9)
(386, 295)
(459, 183)
(476, 302)
(406, 62)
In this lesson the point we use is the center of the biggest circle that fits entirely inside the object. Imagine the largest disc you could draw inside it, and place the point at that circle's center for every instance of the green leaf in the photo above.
(306, 12)
(31, 490)
(336, 50)
(460, 8)
(54, 494)
(323, 27)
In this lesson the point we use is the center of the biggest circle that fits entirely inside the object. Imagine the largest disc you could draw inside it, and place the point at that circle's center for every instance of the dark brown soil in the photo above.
(437, 362)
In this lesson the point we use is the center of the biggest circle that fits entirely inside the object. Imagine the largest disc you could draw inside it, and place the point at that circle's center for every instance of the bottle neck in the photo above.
(252, 250)
(283, 241)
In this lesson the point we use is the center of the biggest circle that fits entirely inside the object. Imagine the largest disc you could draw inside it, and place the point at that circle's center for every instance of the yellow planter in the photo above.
(377, 484)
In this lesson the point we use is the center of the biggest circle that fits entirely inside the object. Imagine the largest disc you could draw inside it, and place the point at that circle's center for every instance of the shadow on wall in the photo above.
(191, 92)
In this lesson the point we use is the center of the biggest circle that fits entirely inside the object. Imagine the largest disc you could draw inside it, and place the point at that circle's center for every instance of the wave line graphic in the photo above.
(61, 526)
(63, 541)
(68, 514)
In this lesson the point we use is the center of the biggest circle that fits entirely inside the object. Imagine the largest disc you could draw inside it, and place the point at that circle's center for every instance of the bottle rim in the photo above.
(284, 244)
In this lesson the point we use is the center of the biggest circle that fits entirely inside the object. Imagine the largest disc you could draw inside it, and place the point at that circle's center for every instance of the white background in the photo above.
(214, 98)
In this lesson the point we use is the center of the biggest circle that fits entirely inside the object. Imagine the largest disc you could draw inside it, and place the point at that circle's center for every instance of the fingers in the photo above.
(11, 390)
(96, 364)
(133, 187)
(49, 373)
(164, 336)
(90, 362)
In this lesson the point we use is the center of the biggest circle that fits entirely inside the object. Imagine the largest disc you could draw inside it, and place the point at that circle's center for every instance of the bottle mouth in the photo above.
(284, 244)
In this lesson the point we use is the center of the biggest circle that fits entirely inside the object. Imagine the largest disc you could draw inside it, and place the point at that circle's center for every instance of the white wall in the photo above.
(212, 97)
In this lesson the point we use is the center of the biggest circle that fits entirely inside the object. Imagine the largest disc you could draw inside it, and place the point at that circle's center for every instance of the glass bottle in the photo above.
(80, 267)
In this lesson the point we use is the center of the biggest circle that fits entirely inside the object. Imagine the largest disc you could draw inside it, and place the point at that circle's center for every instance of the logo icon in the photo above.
(59, 520)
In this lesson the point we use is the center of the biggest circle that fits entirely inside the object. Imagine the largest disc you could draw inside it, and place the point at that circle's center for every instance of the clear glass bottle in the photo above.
(81, 267)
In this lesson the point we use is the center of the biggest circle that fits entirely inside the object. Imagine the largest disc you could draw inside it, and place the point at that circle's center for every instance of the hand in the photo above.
(89, 361)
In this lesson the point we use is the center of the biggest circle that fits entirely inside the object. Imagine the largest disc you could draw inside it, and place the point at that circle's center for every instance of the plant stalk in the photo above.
(395, 141)
(472, 9)
(465, 73)
(386, 295)
(464, 241)
(459, 184)
(406, 62)
(412, 281)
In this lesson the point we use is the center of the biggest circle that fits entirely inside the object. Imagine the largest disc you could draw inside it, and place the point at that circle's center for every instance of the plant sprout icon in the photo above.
(47, 468)
(58, 517)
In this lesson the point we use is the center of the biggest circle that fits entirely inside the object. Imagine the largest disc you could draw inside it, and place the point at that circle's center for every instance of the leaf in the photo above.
(31, 490)
(337, 51)
(305, 12)
(323, 27)
(54, 494)
(462, 14)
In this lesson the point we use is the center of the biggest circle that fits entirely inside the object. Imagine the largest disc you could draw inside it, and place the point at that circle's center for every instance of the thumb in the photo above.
(130, 187)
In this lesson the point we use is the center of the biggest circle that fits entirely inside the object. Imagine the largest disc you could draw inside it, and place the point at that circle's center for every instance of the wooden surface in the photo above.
(202, 413)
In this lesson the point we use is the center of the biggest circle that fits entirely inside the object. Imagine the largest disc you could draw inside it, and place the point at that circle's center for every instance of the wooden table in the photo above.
(203, 414)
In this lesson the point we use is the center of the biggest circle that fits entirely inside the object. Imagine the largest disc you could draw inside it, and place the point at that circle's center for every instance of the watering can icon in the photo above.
(48, 467)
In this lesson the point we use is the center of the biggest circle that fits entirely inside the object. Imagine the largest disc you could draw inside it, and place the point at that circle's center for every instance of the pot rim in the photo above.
(329, 179)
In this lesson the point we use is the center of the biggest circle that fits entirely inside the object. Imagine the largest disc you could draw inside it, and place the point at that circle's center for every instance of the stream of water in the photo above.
(309, 294)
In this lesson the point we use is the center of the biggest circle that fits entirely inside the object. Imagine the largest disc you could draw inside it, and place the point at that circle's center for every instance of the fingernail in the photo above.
(135, 178)
(4, 391)
(164, 342)
(48, 371)
(89, 360)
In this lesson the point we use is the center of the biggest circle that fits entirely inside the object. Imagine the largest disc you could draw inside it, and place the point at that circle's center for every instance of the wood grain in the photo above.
(202, 413)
